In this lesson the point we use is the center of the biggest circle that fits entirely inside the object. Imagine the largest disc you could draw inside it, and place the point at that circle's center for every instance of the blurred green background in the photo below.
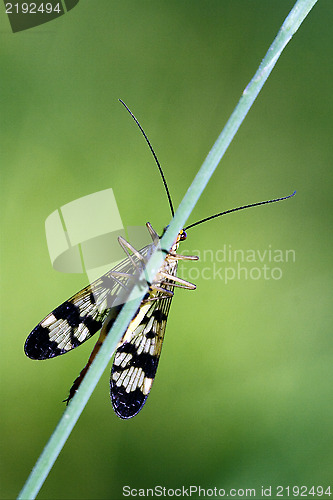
(243, 396)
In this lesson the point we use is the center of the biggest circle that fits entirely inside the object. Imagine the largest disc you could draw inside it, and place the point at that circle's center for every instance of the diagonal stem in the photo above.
(73, 411)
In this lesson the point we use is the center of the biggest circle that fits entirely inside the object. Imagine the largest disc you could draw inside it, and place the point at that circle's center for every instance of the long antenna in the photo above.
(154, 155)
(240, 208)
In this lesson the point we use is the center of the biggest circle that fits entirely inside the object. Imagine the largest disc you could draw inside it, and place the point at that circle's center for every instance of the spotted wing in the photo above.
(81, 316)
(135, 363)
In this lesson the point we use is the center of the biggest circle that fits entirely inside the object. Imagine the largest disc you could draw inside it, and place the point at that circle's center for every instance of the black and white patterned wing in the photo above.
(136, 360)
(81, 316)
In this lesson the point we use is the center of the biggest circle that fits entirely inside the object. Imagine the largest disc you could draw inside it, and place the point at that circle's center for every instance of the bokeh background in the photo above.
(243, 396)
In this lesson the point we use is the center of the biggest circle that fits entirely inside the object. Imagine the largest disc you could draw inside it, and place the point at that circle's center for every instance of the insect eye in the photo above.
(183, 236)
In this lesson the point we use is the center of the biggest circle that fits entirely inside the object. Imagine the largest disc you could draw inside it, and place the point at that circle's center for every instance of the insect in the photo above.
(96, 307)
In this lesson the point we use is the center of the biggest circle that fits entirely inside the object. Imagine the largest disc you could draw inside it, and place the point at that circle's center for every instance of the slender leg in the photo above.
(127, 246)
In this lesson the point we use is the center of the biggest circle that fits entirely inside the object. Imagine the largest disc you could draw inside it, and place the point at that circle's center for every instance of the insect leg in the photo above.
(177, 256)
(186, 284)
(126, 247)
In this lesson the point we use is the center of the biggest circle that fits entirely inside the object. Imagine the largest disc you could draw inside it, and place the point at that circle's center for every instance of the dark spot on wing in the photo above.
(92, 324)
(126, 405)
(159, 315)
(39, 346)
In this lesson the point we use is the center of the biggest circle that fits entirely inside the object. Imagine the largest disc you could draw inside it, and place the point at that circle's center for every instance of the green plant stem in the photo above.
(73, 411)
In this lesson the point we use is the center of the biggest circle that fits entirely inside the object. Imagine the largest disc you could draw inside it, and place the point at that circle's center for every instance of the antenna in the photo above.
(240, 208)
(168, 192)
(154, 155)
